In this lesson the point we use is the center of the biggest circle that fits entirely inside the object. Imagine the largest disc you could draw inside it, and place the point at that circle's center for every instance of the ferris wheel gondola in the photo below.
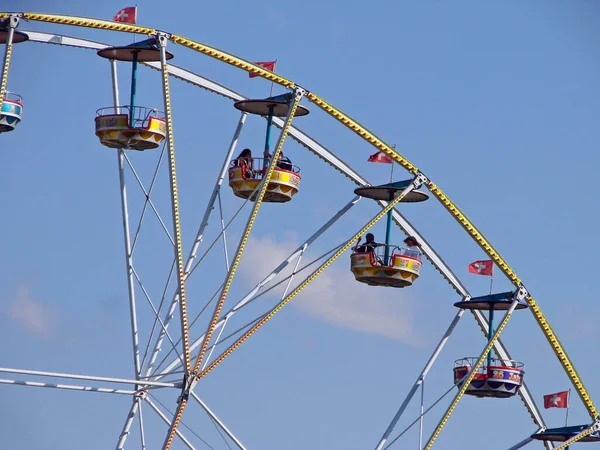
(497, 377)
(130, 126)
(11, 108)
(386, 264)
(284, 181)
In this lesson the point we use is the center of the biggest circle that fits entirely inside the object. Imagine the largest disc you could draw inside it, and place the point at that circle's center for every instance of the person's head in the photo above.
(246, 153)
(370, 237)
(411, 241)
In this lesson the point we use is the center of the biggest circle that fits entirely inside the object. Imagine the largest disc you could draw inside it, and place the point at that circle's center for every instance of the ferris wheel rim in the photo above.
(472, 231)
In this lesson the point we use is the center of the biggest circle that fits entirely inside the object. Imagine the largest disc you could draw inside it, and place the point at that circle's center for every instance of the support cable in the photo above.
(148, 201)
(166, 420)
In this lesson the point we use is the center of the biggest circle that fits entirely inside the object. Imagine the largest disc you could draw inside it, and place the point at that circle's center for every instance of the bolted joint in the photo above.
(13, 21)
(419, 180)
(162, 38)
(521, 293)
(299, 92)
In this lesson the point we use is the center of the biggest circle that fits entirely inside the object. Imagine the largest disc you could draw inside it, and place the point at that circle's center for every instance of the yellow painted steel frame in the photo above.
(369, 137)
(178, 243)
(296, 291)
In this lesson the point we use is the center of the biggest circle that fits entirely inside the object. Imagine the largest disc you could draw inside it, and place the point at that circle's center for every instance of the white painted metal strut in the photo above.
(420, 380)
(521, 444)
(165, 419)
(127, 425)
(69, 387)
(217, 421)
(126, 234)
(73, 376)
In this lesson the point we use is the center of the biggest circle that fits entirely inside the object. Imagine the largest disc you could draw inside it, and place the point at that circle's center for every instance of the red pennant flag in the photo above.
(380, 157)
(558, 400)
(126, 15)
(485, 267)
(269, 65)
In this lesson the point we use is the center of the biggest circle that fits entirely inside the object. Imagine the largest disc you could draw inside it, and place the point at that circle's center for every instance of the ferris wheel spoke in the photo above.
(165, 419)
(218, 421)
(521, 444)
(141, 422)
(156, 318)
(215, 193)
(156, 313)
(216, 240)
(199, 237)
(148, 200)
(126, 234)
(420, 380)
(135, 405)
(69, 387)
(171, 350)
(293, 256)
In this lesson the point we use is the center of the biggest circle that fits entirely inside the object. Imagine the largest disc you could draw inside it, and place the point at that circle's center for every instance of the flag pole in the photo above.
(568, 403)
(492, 280)
(392, 172)
(272, 82)
(135, 21)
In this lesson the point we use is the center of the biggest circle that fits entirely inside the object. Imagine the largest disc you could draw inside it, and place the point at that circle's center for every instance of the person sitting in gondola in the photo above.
(369, 247)
(413, 248)
(283, 162)
(244, 161)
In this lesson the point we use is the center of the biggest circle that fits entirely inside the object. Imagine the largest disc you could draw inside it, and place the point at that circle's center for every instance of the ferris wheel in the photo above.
(178, 342)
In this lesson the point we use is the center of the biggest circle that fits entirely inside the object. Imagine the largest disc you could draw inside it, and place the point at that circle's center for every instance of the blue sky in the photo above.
(497, 104)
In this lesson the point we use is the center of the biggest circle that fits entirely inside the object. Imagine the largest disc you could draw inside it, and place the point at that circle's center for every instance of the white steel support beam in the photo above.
(420, 380)
(126, 233)
(73, 376)
(521, 444)
(127, 425)
(68, 387)
(165, 419)
(217, 421)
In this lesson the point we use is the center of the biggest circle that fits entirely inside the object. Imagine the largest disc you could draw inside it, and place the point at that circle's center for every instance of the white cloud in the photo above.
(334, 296)
(35, 317)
